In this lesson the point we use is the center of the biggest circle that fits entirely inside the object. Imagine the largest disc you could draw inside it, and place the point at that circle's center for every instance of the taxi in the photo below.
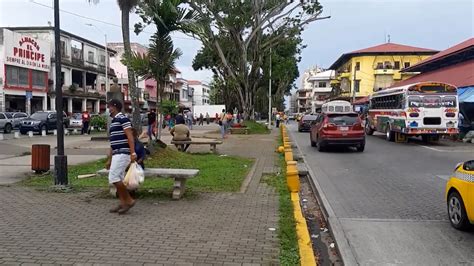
(460, 196)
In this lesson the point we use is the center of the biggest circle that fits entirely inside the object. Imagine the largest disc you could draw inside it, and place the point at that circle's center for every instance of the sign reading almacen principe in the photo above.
(25, 51)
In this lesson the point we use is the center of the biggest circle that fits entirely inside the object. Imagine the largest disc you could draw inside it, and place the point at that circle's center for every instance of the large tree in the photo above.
(242, 33)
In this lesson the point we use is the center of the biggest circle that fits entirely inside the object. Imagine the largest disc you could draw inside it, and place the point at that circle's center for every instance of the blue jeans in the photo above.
(223, 129)
(150, 130)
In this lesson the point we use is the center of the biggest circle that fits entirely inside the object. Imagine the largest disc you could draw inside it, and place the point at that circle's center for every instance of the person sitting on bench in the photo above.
(180, 132)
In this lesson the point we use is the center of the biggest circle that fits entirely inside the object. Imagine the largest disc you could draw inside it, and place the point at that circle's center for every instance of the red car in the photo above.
(338, 129)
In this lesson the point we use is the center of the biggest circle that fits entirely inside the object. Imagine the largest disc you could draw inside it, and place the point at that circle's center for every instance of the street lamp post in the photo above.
(270, 94)
(60, 160)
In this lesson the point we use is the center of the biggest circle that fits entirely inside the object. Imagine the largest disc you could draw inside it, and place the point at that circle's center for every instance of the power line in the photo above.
(101, 21)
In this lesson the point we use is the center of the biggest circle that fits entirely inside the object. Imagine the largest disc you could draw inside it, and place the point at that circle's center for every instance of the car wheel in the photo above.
(45, 128)
(313, 143)
(321, 148)
(8, 128)
(389, 134)
(361, 147)
(457, 212)
(368, 129)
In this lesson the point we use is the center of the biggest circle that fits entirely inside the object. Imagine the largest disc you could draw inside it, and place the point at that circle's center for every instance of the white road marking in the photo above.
(438, 150)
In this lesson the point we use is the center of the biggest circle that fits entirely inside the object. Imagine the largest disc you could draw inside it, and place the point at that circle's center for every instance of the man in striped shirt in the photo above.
(122, 152)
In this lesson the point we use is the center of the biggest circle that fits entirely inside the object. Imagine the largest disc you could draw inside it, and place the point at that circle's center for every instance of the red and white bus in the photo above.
(426, 109)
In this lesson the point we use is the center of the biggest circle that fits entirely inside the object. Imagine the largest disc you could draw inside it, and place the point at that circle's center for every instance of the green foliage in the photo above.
(169, 107)
(256, 128)
(72, 88)
(99, 121)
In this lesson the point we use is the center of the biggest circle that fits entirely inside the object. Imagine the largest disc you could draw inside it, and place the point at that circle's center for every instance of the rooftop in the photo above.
(386, 48)
(458, 53)
(325, 75)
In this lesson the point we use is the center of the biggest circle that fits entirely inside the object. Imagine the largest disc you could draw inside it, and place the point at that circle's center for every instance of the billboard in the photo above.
(23, 50)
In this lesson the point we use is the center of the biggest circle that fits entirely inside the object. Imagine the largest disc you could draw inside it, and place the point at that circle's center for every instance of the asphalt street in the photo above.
(389, 200)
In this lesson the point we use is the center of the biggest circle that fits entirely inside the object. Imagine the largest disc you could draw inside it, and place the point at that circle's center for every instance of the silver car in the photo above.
(18, 117)
(6, 122)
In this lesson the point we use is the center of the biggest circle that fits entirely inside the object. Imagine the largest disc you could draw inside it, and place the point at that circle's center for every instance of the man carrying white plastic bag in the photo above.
(135, 176)
(122, 152)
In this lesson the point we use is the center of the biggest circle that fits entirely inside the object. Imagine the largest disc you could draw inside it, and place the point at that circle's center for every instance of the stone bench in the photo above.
(239, 130)
(212, 142)
(180, 176)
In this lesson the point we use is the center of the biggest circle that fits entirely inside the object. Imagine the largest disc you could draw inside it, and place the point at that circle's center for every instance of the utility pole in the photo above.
(270, 94)
(354, 85)
(60, 160)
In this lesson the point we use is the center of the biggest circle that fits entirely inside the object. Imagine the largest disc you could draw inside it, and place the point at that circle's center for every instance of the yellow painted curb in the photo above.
(304, 241)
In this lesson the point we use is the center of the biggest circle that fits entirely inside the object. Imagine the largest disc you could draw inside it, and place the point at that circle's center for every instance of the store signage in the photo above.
(23, 50)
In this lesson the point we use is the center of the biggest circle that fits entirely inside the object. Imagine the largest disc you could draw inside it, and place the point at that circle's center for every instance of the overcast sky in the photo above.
(354, 24)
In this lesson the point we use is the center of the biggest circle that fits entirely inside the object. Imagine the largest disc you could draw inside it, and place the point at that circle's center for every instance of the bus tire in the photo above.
(389, 135)
(368, 129)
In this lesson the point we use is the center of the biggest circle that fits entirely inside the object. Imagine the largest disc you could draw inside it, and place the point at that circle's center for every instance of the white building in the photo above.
(201, 92)
(186, 93)
(321, 88)
(82, 71)
(304, 93)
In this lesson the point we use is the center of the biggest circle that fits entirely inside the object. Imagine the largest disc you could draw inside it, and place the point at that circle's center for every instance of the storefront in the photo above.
(25, 64)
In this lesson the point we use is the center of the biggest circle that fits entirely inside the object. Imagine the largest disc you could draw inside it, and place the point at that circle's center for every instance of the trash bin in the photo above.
(40, 158)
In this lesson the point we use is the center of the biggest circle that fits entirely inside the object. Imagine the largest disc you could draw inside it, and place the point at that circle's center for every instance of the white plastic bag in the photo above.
(134, 175)
(140, 173)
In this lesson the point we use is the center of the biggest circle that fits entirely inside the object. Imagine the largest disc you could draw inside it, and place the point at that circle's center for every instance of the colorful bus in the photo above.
(426, 109)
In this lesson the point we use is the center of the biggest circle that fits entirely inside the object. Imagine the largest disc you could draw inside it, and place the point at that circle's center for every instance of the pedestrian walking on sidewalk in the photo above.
(85, 123)
(121, 153)
(207, 118)
(201, 119)
(151, 123)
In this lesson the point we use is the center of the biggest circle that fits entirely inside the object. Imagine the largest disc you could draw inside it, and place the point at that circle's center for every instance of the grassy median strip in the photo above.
(289, 252)
(256, 128)
(217, 172)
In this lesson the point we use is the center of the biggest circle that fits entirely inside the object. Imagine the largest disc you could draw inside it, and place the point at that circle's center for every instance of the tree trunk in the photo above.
(133, 90)
(159, 89)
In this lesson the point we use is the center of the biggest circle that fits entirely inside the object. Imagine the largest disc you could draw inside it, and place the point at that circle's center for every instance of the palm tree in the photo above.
(158, 63)
(127, 6)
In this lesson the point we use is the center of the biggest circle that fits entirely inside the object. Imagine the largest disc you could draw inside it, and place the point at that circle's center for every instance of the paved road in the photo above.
(389, 200)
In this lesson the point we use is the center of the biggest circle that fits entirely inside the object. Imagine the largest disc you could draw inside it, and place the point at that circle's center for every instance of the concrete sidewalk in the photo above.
(211, 229)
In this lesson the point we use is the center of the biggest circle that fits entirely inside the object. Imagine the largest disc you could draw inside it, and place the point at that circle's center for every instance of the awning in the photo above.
(466, 94)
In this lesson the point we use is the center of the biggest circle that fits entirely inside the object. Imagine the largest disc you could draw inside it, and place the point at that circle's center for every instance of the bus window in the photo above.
(414, 101)
(431, 101)
(449, 101)
(339, 109)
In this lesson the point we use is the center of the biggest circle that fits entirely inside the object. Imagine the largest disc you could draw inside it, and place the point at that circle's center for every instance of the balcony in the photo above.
(384, 71)
(344, 75)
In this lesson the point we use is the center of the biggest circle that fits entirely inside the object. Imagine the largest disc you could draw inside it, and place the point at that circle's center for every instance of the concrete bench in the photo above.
(239, 130)
(180, 176)
(212, 142)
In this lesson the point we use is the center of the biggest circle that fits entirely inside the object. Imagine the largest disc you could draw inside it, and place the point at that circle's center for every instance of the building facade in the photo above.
(321, 88)
(82, 72)
(367, 70)
(304, 93)
(201, 92)
(186, 94)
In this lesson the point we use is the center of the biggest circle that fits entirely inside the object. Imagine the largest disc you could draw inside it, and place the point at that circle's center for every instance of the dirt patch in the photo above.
(324, 246)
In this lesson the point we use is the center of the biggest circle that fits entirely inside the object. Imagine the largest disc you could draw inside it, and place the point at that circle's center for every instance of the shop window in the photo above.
(17, 76)
(38, 79)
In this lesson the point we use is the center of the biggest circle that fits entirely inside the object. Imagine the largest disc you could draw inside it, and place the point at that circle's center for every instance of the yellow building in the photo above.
(375, 68)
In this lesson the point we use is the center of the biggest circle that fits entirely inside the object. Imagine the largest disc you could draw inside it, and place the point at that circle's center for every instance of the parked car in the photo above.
(43, 120)
(6, 122)
(18, 117)
(459, 196)
(338, 129)
(76, 120)
(305, 122)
